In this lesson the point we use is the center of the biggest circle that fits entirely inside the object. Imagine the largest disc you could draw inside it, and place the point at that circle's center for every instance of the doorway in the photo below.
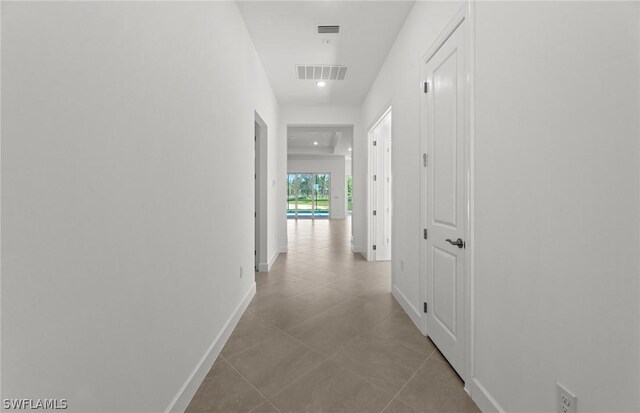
(445, 201)
(380, 204)
(260, 194)
(309, 195)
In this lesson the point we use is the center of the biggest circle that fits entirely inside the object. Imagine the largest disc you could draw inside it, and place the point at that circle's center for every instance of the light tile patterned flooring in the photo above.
(324, 334)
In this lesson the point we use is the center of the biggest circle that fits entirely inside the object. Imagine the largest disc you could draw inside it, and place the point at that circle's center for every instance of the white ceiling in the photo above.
(332, 140)
(284, 33)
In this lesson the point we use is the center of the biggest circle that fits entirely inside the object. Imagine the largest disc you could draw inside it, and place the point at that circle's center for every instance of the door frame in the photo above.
(466, 15)
(261, 196)
(314, 174)
(371, 255)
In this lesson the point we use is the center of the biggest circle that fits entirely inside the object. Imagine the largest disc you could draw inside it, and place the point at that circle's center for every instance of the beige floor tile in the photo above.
(361, 313)
(319, 275)
(287, 313)
(435, 388)
(263, 301)
(399, 327)
(265, 407)
(382, 361)
(250, 330)
(331, 388)
(383, 300)
(323, 298)
(396, 406)
(343, 277)
(264, 278)
(325, 333)
(377, 276)
(297, 267)
(347, 284)
(275, 362)
(224, 390)
(288, 287)
(437, 354)
(350, 265)
(372, 289)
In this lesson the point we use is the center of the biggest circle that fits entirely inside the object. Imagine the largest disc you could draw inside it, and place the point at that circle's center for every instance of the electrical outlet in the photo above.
(241, 271)
(565, 400)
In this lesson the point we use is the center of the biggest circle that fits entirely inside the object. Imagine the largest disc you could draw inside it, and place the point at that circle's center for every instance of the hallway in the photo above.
(324, 334)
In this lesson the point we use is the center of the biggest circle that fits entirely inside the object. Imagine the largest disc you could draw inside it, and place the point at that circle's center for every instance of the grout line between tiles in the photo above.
(407, 382)
(249, 381)
(347, 267)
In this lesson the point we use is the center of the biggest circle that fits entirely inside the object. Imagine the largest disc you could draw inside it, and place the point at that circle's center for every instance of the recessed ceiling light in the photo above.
(349, 148)
(293, 137)
(321, 84)
(315, 143)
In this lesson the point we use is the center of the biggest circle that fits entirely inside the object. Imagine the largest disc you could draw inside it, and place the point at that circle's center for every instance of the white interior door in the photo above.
(381, 206)
(445, 198)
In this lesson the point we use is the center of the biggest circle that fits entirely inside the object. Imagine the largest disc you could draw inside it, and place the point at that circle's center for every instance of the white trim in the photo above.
(186, 392)
(456, 20)
(406, 305)
(284, 249)
(483, 399)
(470, 48)
(466, 14)
(262, 198)
(370, 255)
(355, 248)
(266, 266)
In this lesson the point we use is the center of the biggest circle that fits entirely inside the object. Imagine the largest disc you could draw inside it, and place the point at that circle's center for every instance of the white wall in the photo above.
(335, 165)
(557, 195)
(127, 196)
(557, 201)
(397, 85)
(331, 115)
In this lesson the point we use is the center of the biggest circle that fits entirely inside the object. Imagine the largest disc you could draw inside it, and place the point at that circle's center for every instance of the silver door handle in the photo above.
(459, 242)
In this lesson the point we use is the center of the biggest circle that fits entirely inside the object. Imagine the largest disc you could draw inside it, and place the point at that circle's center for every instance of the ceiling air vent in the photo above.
(321, 72)
(328, 29)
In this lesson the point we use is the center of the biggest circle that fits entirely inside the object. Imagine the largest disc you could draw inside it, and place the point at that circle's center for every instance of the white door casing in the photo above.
(256, 194)
(380, 209)
(446, 204)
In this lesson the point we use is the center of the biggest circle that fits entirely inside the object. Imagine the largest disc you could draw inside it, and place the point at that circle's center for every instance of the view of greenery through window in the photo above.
(308, 195)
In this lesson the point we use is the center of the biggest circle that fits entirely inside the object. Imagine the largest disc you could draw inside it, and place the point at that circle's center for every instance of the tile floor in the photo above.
(324, 334)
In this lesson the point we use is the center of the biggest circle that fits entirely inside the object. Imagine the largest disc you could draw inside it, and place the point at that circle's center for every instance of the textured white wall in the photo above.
(557, 204)
(127, 195)
(557, 288)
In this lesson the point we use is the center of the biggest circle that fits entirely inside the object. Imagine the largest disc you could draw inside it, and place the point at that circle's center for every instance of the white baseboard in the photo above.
(359, 250)
(406, 305)
(284, 249)
(181, 400)
(266, 266)
(483, 399)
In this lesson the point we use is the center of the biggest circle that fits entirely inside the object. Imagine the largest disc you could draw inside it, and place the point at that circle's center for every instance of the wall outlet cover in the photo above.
(565, 400)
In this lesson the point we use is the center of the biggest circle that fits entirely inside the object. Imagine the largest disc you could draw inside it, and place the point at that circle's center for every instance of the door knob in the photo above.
(459, 242)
